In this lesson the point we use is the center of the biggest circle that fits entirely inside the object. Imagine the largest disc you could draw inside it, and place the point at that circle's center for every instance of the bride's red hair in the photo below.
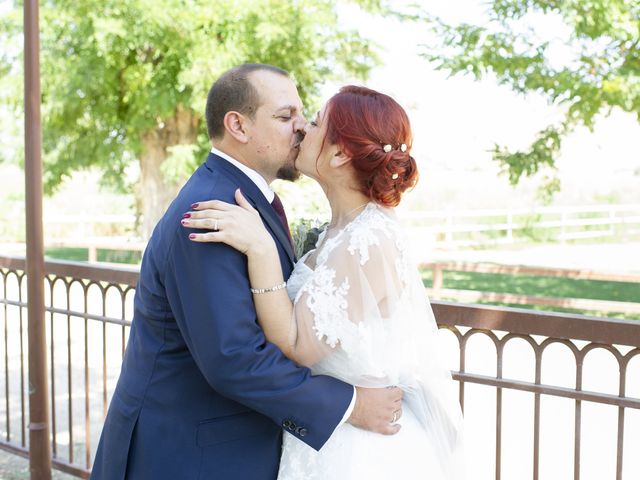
(361, 122)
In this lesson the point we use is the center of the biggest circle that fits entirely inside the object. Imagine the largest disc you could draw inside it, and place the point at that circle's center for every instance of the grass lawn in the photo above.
(104, 255)
(542, 286)
(485, 282)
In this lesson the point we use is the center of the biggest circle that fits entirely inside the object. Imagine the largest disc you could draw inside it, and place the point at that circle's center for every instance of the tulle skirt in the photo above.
(355, 454)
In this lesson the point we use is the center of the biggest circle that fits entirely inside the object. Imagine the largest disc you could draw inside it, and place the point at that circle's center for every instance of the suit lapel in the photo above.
(253, 194)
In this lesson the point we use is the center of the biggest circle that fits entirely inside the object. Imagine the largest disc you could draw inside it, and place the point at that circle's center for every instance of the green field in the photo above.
(104, 255)
(542, 286)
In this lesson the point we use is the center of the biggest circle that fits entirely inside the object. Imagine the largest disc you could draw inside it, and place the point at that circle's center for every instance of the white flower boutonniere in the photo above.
(305, 235)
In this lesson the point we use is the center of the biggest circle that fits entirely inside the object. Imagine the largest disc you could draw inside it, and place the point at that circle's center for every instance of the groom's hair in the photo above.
(233, 91)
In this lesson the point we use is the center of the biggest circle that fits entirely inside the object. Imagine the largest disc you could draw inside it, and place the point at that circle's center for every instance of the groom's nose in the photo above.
(299, 126)
(299, 122)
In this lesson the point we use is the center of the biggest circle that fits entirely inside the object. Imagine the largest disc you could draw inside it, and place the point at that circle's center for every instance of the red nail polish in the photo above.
(183, 221)
(186, 215)
(192, 236)
(194, 205)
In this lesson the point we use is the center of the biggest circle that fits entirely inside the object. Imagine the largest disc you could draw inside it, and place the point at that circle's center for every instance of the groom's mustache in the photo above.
(298, 140)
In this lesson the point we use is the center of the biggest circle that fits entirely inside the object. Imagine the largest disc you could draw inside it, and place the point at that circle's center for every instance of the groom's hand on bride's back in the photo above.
(377, 409)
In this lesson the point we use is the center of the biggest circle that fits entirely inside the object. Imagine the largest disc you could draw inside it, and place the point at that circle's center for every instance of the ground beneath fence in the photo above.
(13, 467)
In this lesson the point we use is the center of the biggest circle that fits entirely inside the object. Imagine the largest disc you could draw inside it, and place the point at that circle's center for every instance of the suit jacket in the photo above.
(202, 394)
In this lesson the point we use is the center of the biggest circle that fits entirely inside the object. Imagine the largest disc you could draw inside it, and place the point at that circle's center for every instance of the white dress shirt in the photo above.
(264, 187)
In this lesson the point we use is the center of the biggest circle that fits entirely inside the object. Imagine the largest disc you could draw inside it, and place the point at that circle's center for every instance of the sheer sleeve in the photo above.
(354, 293)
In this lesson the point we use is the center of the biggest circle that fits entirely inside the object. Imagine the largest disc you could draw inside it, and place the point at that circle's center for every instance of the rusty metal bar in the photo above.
(95, 273)
(577, 422)
(23, 417)
(6, 364)
(73, 313)
(499, 352)
(536, 418)
(104, 366)
(578, 395)
(463, 350)
(39, 447)
(69, 375)
(54, 443)
(87, 406)
(567, 326)
(124, 341)
(620, 445)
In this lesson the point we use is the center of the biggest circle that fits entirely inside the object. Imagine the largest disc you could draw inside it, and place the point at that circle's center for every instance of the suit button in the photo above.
(303, 432)
(292, 426)
(286, 424)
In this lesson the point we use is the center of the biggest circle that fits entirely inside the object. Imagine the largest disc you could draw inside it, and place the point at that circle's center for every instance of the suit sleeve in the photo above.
(208, 288)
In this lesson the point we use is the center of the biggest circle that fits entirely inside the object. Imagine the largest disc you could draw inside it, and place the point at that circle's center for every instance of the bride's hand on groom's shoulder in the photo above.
(239, 226)
(377, 410)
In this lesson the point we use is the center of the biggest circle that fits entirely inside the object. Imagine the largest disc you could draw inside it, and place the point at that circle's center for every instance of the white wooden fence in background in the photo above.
(441, 229)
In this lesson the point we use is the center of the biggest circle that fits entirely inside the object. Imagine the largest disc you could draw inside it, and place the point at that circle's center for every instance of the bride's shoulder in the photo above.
(377, 227)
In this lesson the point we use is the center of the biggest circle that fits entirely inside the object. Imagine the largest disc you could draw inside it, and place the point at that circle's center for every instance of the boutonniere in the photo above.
(305, 235)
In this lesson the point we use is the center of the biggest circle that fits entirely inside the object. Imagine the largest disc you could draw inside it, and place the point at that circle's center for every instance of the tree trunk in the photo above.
(154, 192)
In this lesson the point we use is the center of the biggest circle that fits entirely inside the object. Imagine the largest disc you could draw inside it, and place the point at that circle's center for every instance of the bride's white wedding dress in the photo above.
(361, 315)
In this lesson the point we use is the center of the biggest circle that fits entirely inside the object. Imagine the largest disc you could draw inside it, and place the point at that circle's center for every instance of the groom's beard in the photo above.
(289, 171)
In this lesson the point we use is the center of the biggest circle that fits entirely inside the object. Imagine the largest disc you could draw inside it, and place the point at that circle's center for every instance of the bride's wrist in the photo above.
(263, 247)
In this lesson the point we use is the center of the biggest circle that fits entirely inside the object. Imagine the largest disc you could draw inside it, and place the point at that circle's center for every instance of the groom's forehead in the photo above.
(282, 99)
(276, 91)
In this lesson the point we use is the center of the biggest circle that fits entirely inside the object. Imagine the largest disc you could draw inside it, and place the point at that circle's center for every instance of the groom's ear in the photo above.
(234, 124)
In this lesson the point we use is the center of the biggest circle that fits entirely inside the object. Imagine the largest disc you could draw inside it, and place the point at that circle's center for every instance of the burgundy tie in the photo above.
(279, 208)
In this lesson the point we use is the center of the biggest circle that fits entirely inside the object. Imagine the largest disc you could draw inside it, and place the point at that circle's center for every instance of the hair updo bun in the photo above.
(373, 129)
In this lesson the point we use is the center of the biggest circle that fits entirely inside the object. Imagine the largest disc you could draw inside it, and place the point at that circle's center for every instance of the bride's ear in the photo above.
(339, 159)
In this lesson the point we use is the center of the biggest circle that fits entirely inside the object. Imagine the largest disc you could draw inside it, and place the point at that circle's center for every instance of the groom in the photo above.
(202, 394)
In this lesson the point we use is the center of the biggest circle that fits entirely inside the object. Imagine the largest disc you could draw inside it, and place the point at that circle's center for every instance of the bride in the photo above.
(354, 307)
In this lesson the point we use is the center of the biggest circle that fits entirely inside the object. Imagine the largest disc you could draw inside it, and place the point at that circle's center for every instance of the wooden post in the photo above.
(612, 219)
(436, 283)
(448, 236)
(563, 221)
(39, 444)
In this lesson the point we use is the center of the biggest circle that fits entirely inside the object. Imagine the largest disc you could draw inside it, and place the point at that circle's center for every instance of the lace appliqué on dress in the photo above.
(328, 304)
(365, 232)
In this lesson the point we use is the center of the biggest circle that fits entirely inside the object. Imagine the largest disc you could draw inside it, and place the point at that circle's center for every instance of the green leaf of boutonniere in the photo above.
(305, 235)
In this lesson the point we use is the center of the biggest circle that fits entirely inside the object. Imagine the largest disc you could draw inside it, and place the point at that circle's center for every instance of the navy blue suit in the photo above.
(202, 394)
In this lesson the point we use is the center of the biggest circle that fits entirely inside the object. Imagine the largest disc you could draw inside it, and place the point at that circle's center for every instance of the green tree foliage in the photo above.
(125, 81)
(592, 67)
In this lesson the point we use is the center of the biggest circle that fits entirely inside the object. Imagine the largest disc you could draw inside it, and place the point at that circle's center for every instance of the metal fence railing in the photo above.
(89, 308)
(88, 312)
(539, 333)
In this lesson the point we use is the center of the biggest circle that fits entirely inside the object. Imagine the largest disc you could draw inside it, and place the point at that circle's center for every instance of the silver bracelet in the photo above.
(270, 289)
